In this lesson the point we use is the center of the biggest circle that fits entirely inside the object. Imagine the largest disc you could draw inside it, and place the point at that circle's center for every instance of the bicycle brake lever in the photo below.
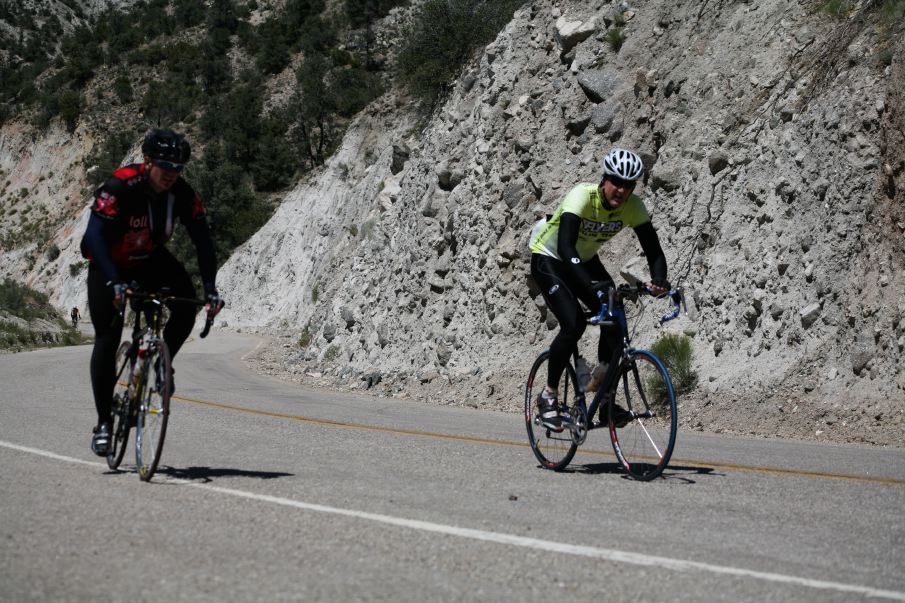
(210, 321)
(207, 328)
(676, 299)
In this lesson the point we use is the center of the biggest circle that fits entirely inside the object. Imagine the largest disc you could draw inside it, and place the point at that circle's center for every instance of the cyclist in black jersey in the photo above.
(133, 215)
(566, 267)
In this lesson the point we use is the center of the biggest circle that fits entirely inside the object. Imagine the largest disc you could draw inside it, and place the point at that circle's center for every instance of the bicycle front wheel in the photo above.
(644, 443)
(120, 407)
(554, 449)
(153, 410)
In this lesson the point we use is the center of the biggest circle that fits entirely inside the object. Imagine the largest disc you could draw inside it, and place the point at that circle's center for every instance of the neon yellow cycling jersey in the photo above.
(599, 224)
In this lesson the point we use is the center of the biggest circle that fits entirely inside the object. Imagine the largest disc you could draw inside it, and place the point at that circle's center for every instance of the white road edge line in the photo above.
(250, 352)
(510, 539)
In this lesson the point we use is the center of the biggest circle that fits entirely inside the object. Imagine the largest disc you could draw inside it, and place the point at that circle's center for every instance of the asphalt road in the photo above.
(273, 492)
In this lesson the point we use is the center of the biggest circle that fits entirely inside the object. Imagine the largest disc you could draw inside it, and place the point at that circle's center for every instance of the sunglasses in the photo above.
(620, 183)
(169, 166)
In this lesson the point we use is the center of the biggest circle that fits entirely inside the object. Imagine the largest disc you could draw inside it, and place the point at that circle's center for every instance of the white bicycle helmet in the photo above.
(622, 164)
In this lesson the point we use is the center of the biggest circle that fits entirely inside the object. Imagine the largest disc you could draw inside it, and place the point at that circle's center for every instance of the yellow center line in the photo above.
(674, 463)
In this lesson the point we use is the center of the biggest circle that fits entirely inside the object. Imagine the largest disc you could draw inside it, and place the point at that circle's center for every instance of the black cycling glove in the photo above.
(661, 282)
(213, 298)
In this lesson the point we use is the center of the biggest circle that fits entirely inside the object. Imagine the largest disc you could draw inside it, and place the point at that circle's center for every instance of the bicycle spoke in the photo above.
(154, 410)
(119, 425)
(554, 449)
(644, 444)
(650, 439)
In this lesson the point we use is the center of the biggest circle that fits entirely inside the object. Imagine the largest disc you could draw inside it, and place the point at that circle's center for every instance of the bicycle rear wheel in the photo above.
(554, 449)
(644, 444)
(153, 410)
(120, 407)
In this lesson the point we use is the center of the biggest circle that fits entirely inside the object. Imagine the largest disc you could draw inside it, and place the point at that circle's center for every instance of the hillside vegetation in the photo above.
(264, 89)
(28, 320)
(204, 68)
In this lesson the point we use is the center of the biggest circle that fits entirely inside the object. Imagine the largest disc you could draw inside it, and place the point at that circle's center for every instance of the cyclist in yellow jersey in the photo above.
(565, 265)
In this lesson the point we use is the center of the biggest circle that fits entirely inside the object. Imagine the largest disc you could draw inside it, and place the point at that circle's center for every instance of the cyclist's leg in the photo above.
(555, 287)
(609, 344)
(164, 270)
(108, 330)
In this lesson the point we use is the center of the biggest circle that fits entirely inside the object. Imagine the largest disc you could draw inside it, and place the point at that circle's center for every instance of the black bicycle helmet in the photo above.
(166, 145)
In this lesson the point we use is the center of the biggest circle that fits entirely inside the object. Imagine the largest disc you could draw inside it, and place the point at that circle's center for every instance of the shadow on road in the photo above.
(672, 472)
(206, 474)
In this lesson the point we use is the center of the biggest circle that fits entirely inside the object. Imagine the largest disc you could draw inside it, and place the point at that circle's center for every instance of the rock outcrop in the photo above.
(766, 147)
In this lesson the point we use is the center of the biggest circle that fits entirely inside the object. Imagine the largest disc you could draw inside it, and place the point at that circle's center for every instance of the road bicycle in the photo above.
(642, 427)
(144, 380)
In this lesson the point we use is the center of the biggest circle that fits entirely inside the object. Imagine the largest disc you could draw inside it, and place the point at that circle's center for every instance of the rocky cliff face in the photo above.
(767, 129)
(774, 140)
(43, 196)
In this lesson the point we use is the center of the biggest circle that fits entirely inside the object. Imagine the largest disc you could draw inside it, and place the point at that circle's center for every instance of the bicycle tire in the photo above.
(645, 444)
(120, 407)
(553, 449)
(153, 410)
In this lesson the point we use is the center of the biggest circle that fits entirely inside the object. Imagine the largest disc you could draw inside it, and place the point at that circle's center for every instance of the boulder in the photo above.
(570, 33)
(809, 314)
(666, 180)
(401, 153)
(602, 117)
(599, 84)
(718, 162)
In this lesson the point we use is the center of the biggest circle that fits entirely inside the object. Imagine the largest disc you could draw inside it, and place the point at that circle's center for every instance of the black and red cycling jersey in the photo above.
(129, 221)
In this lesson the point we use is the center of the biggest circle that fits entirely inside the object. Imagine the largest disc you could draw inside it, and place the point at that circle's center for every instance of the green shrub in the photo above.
(76, 268)
(367, 229)
(70, 108)
(444, 35)
(331, 353)
(108, 156)
(13, 336)
(170, 100)
(675, 350)
(149, 55)
(305, 336)
(885, 56)
(838, 8)
(72, 337)
(892, 12)
(361, 13)
(615, 38)
(24, 302)
(123, 89)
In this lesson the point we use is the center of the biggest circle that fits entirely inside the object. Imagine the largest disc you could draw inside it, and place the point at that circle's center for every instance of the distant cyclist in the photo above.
(133, 215)
(565, 265)
(75, 315)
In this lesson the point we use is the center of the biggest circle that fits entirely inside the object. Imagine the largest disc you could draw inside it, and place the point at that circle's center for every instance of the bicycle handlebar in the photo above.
(158, 298)
(632, 292)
